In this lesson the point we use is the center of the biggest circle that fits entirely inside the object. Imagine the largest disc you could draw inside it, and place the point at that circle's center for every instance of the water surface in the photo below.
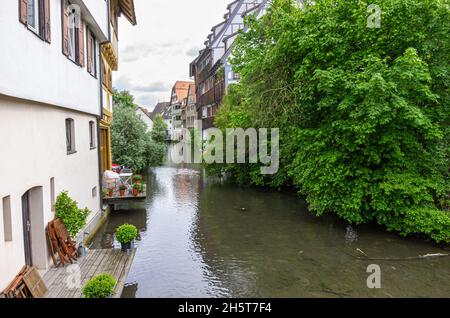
(200, 237)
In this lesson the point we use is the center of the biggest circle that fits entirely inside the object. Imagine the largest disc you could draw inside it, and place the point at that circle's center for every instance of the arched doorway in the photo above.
(35, 250)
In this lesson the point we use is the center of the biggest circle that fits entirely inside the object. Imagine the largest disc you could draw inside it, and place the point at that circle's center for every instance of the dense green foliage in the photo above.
(159, 131)
(126, 233)
(132, 145)
(101, 286)
(363, 113)
(66, 209)
(123, 98)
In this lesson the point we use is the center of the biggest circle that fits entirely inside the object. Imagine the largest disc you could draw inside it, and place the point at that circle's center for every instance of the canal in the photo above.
(201, 237)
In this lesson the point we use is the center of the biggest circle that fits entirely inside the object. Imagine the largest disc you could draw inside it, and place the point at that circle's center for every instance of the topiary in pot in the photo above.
(100, 286)
(137, 178)
(122, 189)
(137, 189)
(126, 234)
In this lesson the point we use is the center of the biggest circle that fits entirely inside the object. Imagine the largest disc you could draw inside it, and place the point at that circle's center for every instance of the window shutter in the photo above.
(89, 52)
(65, 26)
(81, 43)
(23, 11)
(47, 29)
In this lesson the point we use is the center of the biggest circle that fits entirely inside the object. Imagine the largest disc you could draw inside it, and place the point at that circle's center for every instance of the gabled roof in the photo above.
(163, 109)
(192, 93)
(181, 89)
(146, 112)
(128, 10)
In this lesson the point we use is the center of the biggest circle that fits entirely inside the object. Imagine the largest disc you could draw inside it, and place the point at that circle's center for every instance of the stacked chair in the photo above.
(61, 244)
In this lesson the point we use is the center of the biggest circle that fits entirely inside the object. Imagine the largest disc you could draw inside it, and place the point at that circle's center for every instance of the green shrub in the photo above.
(131, 144)
(159, 131)
(126, 233)
(363, 113)
(67, 210)
(101, 286)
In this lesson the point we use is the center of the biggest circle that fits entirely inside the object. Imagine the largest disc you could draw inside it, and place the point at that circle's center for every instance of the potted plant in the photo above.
(137, 189)
(137, 178)
(104, 193)
(126, 234)
(122, 189)
(111, 192)
(100, 286)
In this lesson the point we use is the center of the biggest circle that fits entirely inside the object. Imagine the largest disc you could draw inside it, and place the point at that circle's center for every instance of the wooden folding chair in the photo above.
(68, 245)
(56, 245)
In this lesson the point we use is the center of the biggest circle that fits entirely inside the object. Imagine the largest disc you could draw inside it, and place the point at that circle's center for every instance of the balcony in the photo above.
(207, 99)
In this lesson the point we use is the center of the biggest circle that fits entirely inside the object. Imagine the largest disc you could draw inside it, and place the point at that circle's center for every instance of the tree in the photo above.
(123, 98)
(363, 113)
(159, 131)
(129, 138)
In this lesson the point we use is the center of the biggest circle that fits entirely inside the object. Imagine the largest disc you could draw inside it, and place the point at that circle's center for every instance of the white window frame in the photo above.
(92, 139)
(35, 16)
(70, 136)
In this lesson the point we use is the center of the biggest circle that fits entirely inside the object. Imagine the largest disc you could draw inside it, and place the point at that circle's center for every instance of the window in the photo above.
(91, 54)
(70, 136)
(7, 222)
(52, 194)
(73, 29)
(203, 63)
(92, 134)
(35, 15)
(205, 112)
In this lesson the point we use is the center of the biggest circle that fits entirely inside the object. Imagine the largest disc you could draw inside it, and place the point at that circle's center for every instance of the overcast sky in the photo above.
(157, 52)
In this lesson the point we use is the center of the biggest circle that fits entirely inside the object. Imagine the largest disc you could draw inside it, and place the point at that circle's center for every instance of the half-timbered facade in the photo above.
(211, 70)
(177, 101)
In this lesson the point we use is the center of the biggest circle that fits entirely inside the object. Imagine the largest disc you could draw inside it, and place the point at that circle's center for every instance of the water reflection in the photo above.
(106, 239)
(200, 237)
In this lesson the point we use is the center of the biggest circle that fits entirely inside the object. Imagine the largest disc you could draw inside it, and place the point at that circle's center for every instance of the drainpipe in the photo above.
(99, 152)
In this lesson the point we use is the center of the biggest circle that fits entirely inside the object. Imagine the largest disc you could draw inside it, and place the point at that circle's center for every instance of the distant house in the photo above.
(211, 69)
(145, 115)
(179, 94)
(163, 109)
(191, 108)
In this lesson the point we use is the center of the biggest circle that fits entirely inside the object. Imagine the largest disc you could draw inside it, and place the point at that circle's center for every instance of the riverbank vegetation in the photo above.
(363, 112)
(131, 144)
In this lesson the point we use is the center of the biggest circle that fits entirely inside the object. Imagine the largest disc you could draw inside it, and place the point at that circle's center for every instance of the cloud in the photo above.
(157, 51)
(147, 100)
(193, 52)
(153, 87)
(140, 51)
(124, 83)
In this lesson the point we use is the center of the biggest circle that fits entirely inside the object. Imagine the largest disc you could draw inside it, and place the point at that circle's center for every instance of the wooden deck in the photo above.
(125, 199)
(114, 262)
